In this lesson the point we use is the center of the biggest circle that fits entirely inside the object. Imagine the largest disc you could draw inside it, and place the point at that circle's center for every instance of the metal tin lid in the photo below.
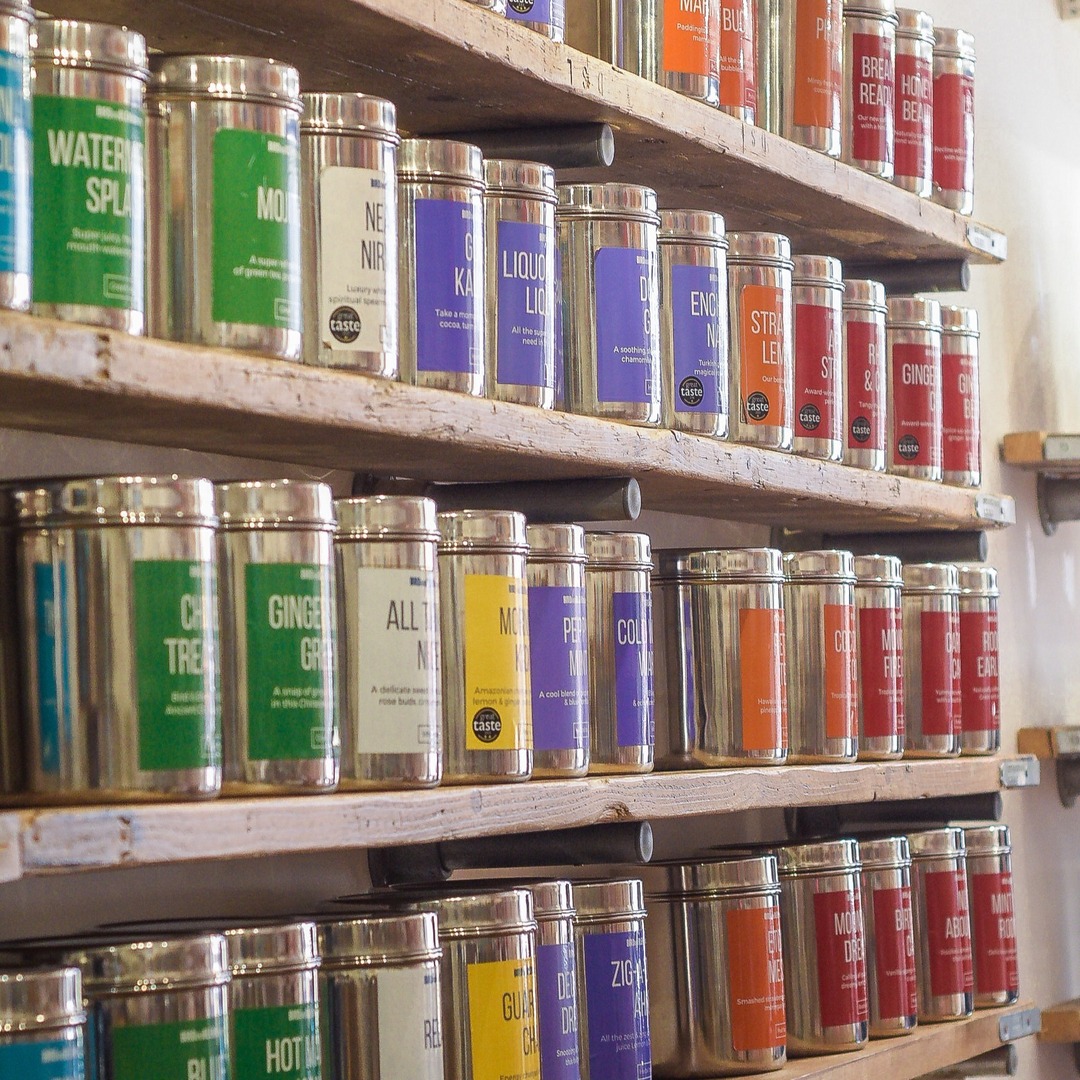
(118, 500)
(97, 46)
(232, 78)
(552, 900)
(556, 543)
(977, 580)
(820, 857)
(17, 9)
(528, 179)
(875, 9)
(885, 853)
(836, 566)
(608, 901)
(481, 914)
(349, 114)
(618, 551)
(738, 564)
(152, 965)
(693, 227)
(425, 160)
(379, 939)
(914, 313)
(915, 24)
(626, 202)
(861, 294)
(960, 320)
(818, 271)
(35, 1000)
(957, 43)
(275, 504)
(260, 950)
(878, 570)
(937, 843)
(479, 530)
(927, 578)
(387, 517)
(717, 878)
(671, 564)
(988, 840)
(760, 249)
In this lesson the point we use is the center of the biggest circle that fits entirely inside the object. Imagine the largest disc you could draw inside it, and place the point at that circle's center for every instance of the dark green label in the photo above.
(289, 685)
(280, 1041)
(174, 627)
(256, 251)
(89, 203)
(190, 1050)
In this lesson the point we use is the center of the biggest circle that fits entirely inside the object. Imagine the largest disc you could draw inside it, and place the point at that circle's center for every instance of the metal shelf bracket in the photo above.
(1019, 1025)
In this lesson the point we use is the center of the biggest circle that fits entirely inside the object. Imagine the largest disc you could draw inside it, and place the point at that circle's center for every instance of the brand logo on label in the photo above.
(691, 390)
(345, 325)
(487, 725)
(757, 406)
(908, 447)
(522, 7)
(810, 417)
(860, 429)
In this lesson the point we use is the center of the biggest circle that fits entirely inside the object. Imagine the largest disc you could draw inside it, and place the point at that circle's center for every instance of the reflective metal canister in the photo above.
(278, 636)
(818, 292)
(41, 1024)
(738, 60)
(762, 362)
(914, 109)
(980, 689)
(819, 602)
(274, 1002)
(694, 321)
(869, 85)
(675, 667)
(519, 241)
(89, 82)
(961, 415)
(890, 936)
(954, 119)
(118, 602)
(441, 265)
(993, 916)
(932, 660)
(942, 924)
(487, 707)
(914, 382)
(16, 31)
(548, 17)
(348, 173)
(865, 419)
(498, 6)
(13, 646)
(558, 650)
(880, 617)
(389, 675)
(380, 998)
(619, 614)
(611, 305)
(824, 947)
(613, 998)
(716, 993)
(224, 203)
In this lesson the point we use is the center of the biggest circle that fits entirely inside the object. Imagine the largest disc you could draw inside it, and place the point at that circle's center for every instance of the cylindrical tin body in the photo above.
(980, 689)
(993, 916)
(390, 685)
(694, 321)
(380, 998)
(914, 107)
(16, 27)
(954, 119)
(932, 660)
(880, 617)
(716, 993)
(348, 174)
(278, 637)
(441, 265)
(610, 296)
(613, 999)
(558, 650)
(824, 948)
(762, 362)
(942, 924)
(961, 415)
(619, 615)
(118, 597)
(914, 382)
(41, 1024)
(487, 705)
(675, 663)
(738, 60)
(224, 203)
(89, 83)
(865, 421)
(869, 85)
(13, 648)
(890, 937)
(817, 298)
(548, 17)
(519, 241)
(819, 603)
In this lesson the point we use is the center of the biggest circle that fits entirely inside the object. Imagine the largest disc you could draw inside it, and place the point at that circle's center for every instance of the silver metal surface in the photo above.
(980, 688)
(16, 32)
(12, 649)
(880, 619)
(993, 915)
(738, 60)
(869, 85)
(954, 96)
(961, 413)
(43, 1007)
(865, 393)
(684, 53)
(915, 102)
(914, 387)
(525, 12)
(818, 409)
(675, 665)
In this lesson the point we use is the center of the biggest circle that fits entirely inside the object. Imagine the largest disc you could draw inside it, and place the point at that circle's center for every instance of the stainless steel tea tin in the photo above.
(880, 616)
(993, 915)
(824, 948)
(865, 436)
(914, 108)
(16, 225)
(869, 85)
(441, 276)
(278, 634)
(738, 60)
(558, 650)
(942, 924)
(818, 293)
(118, 606)
(954, 119)
(619, 613)
(12, 648)
(224, 203)
(348, 174)
(762, 363)
(694, 321)
(675, 664)
(41, 1024)
(89, 247)
(961, 414)
(388, 632)
(932, 660)
(607, 237)
(519, 244)
(380, 996)
(613, 999)
(547, 17)
(487, 707)
(687, 43)
(716, 988)
(914, 387)
(980, 688)
(890, 936)
(819, 605)
(497, 6)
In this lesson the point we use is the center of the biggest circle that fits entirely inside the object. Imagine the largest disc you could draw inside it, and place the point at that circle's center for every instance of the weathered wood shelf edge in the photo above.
(76, 380)
(1041, 452)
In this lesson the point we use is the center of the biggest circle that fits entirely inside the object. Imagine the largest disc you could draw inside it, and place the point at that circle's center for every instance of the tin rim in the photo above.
(264, 950)
(40, 1000)
(349, 114)
(947, 843)
(756, 875)
(622, 202)
(618, 551)
(954, 44)
(925, 579)
(864, 294)
(704, 227)
(913, 313)
(817, 272)
(833, 567)
(247, 505)
(879, 10)
(139, 501)
(482, 530)
(387, 518)
(760, 249)
(959, 321)
(878, 571)
(481, 914)
(225, 77)
(915, 25)
(441, 161)
(372, 940)
(738, 565)
(94, 46)
(617, 900)
(983, 840)
(17, 9)
(521, 179)
(885, 853)
(977, 582)
(141, 966)
(829, 857)
(556, 543)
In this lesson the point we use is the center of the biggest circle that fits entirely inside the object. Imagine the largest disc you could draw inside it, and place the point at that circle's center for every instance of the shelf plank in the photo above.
(1042, 452)
(451, 66)
(1047, 743)
(1061, 1023)
(78, 380)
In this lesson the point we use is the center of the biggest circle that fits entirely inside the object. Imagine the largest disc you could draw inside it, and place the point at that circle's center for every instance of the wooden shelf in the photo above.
(1061, 1023)
(76, 380)
(1042, 452)
(451, 66)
